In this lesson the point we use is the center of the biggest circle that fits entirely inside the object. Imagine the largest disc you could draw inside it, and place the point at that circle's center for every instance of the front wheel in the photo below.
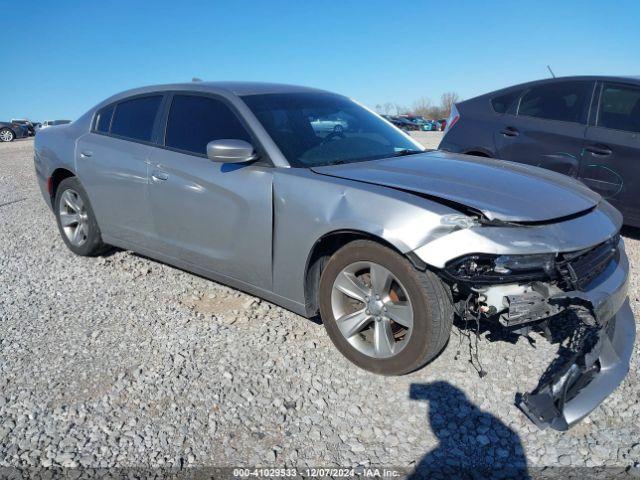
(6, 135)
(380, 312)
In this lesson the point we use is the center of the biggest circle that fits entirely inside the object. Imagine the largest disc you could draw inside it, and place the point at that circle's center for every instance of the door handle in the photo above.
(510, 132)
(159, 176)
(600, 150)
(85, 154)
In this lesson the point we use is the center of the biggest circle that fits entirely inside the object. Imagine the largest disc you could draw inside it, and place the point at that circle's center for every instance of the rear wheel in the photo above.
(380, 312)
(76, 220)
(6, 135)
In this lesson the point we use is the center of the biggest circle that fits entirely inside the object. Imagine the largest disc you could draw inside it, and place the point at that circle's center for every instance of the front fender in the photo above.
(308, 206)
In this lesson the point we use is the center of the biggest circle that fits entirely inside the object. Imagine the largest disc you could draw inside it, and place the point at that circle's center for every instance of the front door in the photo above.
(611, 158)
(215, 216)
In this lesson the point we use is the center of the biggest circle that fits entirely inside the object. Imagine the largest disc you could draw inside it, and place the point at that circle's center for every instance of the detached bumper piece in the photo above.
(600, 361)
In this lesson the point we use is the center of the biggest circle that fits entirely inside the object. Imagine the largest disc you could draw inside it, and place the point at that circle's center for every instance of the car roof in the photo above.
(611, 78)
(235, 88)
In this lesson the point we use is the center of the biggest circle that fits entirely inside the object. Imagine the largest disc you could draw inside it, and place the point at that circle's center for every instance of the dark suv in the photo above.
(585, 127)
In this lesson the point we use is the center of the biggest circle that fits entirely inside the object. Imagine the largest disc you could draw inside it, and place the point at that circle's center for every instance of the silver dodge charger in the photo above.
(387, 242)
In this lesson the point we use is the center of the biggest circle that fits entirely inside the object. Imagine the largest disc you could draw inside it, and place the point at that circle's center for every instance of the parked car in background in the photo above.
(51, 123)
(27, 123)
(329, 124)
(584, 127)
(421, 123)
(9, 131)
(402, 123)
(384, 240)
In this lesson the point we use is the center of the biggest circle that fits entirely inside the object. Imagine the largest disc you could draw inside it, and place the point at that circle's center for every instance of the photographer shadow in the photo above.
(473, 444)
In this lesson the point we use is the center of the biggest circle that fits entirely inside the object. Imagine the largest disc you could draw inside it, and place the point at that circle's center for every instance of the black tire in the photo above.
(93, 245)
(7, 135)
(430, 298)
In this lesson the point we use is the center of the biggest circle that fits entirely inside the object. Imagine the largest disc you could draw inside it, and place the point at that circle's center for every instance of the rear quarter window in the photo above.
(103, 119)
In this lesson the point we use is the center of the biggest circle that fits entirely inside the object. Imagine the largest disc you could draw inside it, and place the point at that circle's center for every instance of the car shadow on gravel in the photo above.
(472, 443)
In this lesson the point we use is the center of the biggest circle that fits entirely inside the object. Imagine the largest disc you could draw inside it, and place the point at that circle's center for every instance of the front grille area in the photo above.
(577, 269)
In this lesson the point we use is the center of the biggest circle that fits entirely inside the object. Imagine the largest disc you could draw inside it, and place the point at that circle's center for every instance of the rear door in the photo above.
(213, 215)
(611, 159)
(112, 163)
(548, 127)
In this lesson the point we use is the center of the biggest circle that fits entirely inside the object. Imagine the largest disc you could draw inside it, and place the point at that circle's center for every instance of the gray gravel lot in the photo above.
(122, 361)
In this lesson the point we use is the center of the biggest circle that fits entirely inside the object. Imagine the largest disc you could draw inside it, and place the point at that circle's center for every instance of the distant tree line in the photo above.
(423, 106)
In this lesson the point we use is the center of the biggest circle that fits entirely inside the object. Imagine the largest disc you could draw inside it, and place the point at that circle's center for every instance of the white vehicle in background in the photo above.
(51, 123)
(331, 124)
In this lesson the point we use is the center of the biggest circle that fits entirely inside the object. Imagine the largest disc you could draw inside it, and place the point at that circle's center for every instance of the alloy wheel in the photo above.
(372, 309)
(6, 135)
(73, 217)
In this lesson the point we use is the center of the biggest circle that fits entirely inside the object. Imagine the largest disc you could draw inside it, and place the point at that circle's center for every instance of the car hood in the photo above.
(499, 189)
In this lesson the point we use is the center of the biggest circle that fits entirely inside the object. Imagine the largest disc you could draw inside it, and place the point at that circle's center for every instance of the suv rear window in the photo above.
(501, 103)
(134, 118)
(564, 101)
(195, 121)
(620, 108)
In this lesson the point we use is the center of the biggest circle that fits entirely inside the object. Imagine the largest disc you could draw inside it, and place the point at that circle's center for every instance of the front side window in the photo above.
(315, 129)
(564, 101)
(619, 108)
(134, 118)
(195, 121)
(103, 119)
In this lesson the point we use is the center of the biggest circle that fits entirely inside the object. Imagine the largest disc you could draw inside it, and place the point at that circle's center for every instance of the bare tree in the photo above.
(448, 100)
(400, 110)
(387, 108)
(422, 106)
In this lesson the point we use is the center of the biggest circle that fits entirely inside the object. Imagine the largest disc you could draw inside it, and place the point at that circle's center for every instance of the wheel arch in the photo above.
(479, 152)
(327, 245)
(57, 176)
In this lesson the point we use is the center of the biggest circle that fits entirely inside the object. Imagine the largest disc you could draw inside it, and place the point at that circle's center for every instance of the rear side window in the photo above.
(134, 118)
(564, 101)
(501, 103)
(103, 119)
(195, 121)
(620, 108)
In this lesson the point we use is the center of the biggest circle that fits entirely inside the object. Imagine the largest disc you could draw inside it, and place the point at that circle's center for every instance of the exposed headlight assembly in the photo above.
(482, 268)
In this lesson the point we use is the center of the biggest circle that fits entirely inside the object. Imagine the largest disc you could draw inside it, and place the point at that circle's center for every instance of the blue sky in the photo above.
(66, 56)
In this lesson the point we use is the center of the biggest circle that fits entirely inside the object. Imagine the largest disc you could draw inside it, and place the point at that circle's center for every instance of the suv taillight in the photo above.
(452, 120)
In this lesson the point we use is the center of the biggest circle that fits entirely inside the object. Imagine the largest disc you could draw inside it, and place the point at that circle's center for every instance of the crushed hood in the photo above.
(499, 189)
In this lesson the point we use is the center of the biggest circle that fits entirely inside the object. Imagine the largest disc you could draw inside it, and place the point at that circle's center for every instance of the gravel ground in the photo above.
(121, 361)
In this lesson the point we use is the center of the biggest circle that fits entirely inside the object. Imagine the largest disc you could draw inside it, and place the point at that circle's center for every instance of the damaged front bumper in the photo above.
(596, 369)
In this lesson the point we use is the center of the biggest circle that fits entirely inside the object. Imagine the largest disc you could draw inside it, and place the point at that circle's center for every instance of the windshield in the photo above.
(315, 129)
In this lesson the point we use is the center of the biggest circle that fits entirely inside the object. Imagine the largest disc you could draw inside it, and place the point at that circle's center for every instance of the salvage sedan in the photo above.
(386, 241)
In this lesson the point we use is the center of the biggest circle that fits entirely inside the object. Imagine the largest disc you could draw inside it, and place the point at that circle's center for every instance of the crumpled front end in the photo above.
(536, 277)
(603, 343)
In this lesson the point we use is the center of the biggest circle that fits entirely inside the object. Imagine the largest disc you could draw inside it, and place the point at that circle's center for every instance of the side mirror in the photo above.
(230, 151)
